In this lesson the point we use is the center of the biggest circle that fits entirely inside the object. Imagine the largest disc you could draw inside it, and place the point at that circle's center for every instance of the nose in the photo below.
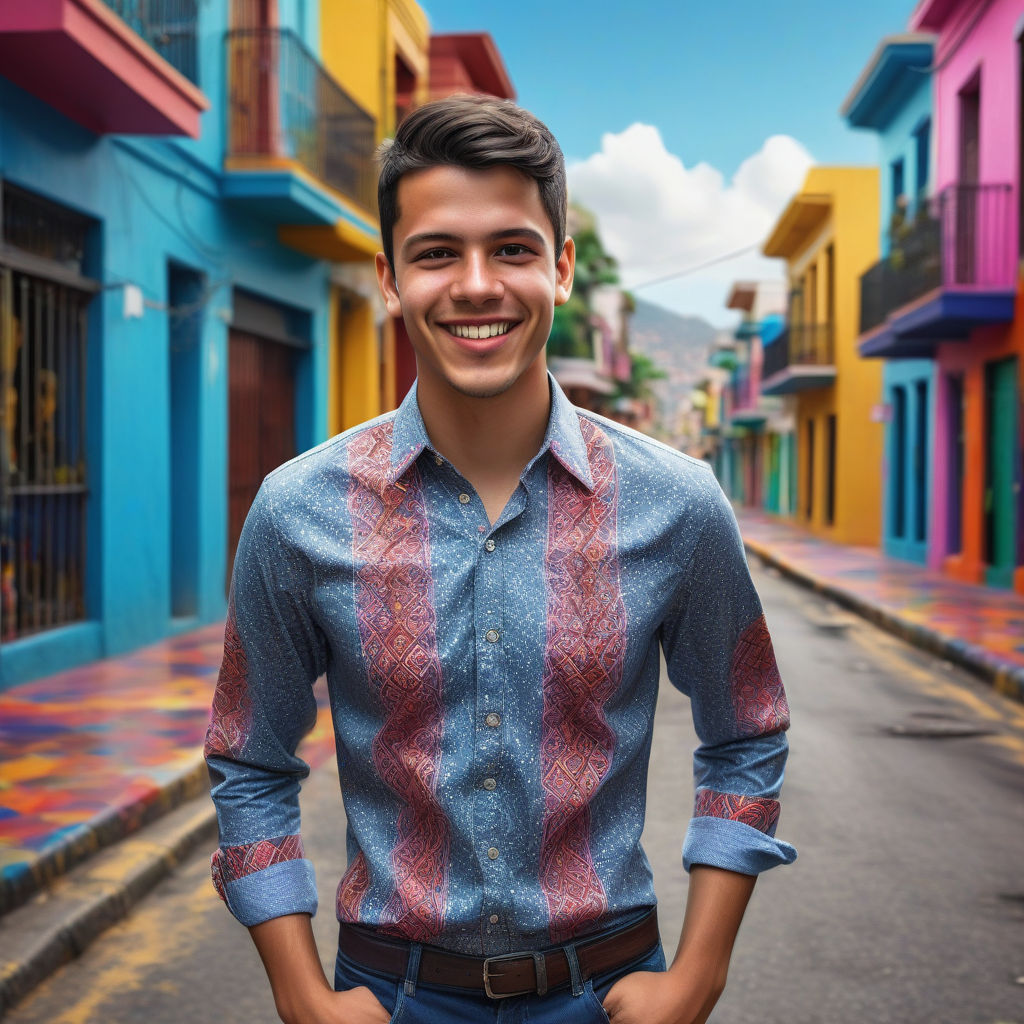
(476, 280)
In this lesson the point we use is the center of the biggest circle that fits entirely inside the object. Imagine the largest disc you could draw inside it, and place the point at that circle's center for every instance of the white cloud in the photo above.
(656, 215)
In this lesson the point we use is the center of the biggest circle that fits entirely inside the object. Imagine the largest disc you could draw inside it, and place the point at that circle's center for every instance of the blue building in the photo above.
(161, 348)
(893, 97)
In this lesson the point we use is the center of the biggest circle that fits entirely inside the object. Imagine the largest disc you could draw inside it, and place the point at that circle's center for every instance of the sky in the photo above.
(687, 125)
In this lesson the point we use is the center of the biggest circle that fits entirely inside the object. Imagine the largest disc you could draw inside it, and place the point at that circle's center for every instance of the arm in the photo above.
(687, 992)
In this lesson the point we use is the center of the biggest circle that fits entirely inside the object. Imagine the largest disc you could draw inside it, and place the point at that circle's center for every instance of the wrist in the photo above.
(302, 1003)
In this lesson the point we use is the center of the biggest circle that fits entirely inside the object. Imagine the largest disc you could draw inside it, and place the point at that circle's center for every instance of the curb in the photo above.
(66, 921)
(99, 833)
(1006, 679)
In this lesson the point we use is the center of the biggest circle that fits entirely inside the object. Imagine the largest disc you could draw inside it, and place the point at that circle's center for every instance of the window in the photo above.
(43, 301)
(896, 177)
(922, 153)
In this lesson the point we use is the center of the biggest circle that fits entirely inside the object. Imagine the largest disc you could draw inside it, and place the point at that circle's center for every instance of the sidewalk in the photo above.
(91, 755)
(979, 628)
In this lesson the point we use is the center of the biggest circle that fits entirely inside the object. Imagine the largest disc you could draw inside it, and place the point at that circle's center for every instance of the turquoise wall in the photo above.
(156, 202)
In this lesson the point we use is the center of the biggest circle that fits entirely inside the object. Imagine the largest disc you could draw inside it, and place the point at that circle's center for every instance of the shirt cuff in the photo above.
(287, 887)
(733, 845)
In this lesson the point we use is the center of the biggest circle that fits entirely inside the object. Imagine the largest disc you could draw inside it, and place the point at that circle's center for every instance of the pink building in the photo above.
(967, 313)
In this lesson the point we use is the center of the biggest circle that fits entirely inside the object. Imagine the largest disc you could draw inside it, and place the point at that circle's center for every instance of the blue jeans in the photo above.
(433, 1004)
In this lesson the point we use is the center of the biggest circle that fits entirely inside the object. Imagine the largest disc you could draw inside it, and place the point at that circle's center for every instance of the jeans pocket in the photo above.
(602, 1013)
(388, 989)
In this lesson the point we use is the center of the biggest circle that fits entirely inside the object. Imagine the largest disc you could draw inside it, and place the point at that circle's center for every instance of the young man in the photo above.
(487, 577)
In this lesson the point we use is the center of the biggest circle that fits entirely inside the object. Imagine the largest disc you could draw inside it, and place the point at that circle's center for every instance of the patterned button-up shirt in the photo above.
(492, 686)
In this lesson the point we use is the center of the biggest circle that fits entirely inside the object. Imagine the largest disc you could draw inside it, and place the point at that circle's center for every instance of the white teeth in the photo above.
(483, 331)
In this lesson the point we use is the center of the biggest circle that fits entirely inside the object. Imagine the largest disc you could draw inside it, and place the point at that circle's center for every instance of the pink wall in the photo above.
(990, 48)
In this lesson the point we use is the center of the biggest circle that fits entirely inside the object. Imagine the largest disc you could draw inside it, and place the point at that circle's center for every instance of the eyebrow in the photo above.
(443, 236)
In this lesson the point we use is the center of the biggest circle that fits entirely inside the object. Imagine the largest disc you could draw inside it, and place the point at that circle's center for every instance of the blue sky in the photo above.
(715, 80)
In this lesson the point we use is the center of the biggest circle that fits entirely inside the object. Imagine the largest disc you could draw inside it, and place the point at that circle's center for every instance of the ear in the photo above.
(564, 270)
(388, 286)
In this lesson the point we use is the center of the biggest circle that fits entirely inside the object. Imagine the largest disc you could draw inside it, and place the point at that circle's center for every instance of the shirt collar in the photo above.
(563, 438)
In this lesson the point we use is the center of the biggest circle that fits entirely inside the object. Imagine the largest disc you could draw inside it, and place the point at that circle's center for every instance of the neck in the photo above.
(488, 440)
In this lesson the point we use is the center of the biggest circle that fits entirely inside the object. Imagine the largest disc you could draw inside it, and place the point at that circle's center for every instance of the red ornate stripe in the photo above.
(352, 888)
(398, 632)
(231, 718)
(757, 692)
(586, 644)
(230, 863)
(761, 813)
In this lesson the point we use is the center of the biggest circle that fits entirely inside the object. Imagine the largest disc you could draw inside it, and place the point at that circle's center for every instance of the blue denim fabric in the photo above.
(432, 1004)
(492, 686)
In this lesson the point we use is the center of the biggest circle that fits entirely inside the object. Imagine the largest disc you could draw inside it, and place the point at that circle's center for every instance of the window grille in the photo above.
(43, 481)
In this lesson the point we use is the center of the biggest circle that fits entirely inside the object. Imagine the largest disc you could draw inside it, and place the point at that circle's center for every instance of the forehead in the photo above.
(469, 202)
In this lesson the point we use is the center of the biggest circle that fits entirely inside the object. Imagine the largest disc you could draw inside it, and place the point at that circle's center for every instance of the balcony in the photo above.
(299, 148)
(125, 67)
(952, 269)
(802, 358)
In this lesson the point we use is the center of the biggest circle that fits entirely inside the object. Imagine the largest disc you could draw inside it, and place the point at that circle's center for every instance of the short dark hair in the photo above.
(475, 132)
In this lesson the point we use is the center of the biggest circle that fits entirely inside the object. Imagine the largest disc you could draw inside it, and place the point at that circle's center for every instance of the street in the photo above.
(903, 796)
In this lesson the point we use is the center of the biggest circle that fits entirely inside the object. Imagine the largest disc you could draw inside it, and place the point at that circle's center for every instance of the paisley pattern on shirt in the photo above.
(398, 633)
(756, 686)
(231, 718)
(761, 813)
(233, 862)
(583, 660)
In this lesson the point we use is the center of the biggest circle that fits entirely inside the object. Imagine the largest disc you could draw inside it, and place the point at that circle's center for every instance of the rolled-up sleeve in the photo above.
(719, 652)
(263, 705)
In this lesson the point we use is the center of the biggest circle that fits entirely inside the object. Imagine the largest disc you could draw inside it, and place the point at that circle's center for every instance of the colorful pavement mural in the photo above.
(89, 755)
(973, 625)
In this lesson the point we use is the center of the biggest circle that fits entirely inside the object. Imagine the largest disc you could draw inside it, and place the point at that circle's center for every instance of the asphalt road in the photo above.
(904, 795)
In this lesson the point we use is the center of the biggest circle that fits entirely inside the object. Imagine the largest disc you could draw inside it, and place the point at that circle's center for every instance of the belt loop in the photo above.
(575, 977)
(412, 970)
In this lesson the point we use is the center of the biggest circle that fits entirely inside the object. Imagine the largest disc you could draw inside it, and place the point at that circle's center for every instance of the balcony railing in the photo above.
(959, 239)
(283, 104)
(799, 345)
(169, 26)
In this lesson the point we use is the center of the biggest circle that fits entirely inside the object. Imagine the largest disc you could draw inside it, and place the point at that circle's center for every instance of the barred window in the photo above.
(43, 480)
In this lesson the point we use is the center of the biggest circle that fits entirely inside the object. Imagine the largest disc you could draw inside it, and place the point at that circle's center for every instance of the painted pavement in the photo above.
(975, 625)
(88, 755)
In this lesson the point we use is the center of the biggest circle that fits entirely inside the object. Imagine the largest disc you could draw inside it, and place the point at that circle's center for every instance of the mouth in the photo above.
(480, 331)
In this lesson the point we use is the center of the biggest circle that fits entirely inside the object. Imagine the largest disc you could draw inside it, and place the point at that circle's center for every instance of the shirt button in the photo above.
(492, 636)
(493, 919)
(439, 460)
(489, 544)
(490, 784)
(493, 720)
(493, 853)
(464, 498)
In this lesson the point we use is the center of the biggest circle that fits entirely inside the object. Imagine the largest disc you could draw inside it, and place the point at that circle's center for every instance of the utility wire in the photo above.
(694, 269)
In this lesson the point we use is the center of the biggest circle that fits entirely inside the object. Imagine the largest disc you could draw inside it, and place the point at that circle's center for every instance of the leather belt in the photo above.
(509, 974)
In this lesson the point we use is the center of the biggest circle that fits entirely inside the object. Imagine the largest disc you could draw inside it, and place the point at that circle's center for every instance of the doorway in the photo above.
(1002, 471)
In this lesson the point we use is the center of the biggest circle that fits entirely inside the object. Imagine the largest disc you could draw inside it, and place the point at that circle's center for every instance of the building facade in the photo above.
(893, 97)
(828, 237)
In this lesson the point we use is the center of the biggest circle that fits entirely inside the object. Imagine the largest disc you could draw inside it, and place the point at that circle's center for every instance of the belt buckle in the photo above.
(540, 969)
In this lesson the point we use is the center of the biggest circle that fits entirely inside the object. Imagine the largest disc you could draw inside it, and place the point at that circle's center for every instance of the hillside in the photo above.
(679, 345)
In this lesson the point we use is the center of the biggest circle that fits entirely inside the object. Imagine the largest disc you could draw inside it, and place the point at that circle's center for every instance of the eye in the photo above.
(515, 249)
(435, 254)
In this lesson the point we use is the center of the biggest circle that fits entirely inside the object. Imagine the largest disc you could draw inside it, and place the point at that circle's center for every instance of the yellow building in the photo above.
(828, 236)
(379, 52)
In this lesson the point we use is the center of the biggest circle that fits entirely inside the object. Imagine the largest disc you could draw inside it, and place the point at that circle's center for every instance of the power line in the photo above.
(694, 269)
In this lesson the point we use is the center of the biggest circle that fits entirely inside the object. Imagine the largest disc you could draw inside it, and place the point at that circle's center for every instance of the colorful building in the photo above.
(759, 458)
(954, 298)
(893, 97)
(828, 236)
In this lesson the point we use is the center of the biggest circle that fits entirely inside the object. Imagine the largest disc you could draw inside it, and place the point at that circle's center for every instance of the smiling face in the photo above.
(475, 278)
